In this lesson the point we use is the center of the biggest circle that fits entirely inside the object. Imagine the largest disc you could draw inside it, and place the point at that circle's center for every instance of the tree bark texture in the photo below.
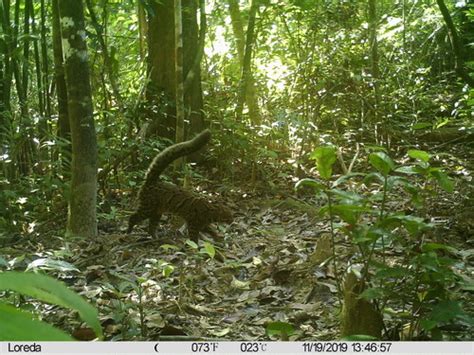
(251, 90)
(45, 60)
(178, 38)
(381, 132)
(43, 124)
(82, 205)
(193, 49)
(7, 64)
(247, 60)
(161, 89)
(26, 56)
(63, 126)
(142, 28)
(14, 47)
(467, 31)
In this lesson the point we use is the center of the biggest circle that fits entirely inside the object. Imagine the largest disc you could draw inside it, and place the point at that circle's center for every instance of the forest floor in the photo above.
(267, 268)
(262, 272)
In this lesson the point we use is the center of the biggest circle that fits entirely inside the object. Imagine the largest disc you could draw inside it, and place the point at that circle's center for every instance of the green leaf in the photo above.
(443, 180)
(419, 154)
(428, 261)
(446, 311)
(442, 123)
(270, 153)
(428, 324)
(393, 181)
(408, 169)
(325, 158)
(391, 272)
(192, 244)
(349, 213)
(316, 185)
(347, 197)
(409, 187)
(279, 329)
(167, 270)
(17, 325)
(437, 246)
(346, 177)
(382, 162)
(413, 224)
(422, 125)
(209, 249)
(167, 247)
(371, 177)
(372, 293)
(363, 235)
(49, 290)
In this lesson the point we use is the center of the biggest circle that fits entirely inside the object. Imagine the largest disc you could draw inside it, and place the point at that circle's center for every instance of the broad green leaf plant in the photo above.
(18, 325)
(409, 277)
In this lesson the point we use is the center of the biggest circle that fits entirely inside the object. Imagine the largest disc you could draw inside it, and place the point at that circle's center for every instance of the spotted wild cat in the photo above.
(157, 197)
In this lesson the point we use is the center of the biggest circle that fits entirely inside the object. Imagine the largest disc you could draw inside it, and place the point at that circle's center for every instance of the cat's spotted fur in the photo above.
(157, 197)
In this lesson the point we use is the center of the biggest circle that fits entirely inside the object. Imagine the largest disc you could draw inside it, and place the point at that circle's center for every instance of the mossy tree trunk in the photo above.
(82, 204)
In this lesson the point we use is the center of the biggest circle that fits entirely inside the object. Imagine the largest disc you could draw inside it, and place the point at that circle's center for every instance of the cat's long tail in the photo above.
(167, 156)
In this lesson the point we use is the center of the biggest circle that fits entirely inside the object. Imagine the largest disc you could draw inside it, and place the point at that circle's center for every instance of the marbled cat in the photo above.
(157, 197)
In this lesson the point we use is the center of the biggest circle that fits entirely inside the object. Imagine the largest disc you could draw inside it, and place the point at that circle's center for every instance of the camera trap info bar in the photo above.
(237, 347)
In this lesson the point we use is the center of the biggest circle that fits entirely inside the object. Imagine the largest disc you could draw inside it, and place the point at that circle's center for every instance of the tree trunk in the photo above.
(3, 111)
(247, 60)
(251, 90)
(44, 56)
(14, 44)
(82, 205)
(25, 147)
(467, 31)
(26, 59)
(161, 89)
(193, 49)
(178, 42)
(374, 68)
(7, 67)
(43, 120)
(456, 44)
(142, 28)
(63, 126)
